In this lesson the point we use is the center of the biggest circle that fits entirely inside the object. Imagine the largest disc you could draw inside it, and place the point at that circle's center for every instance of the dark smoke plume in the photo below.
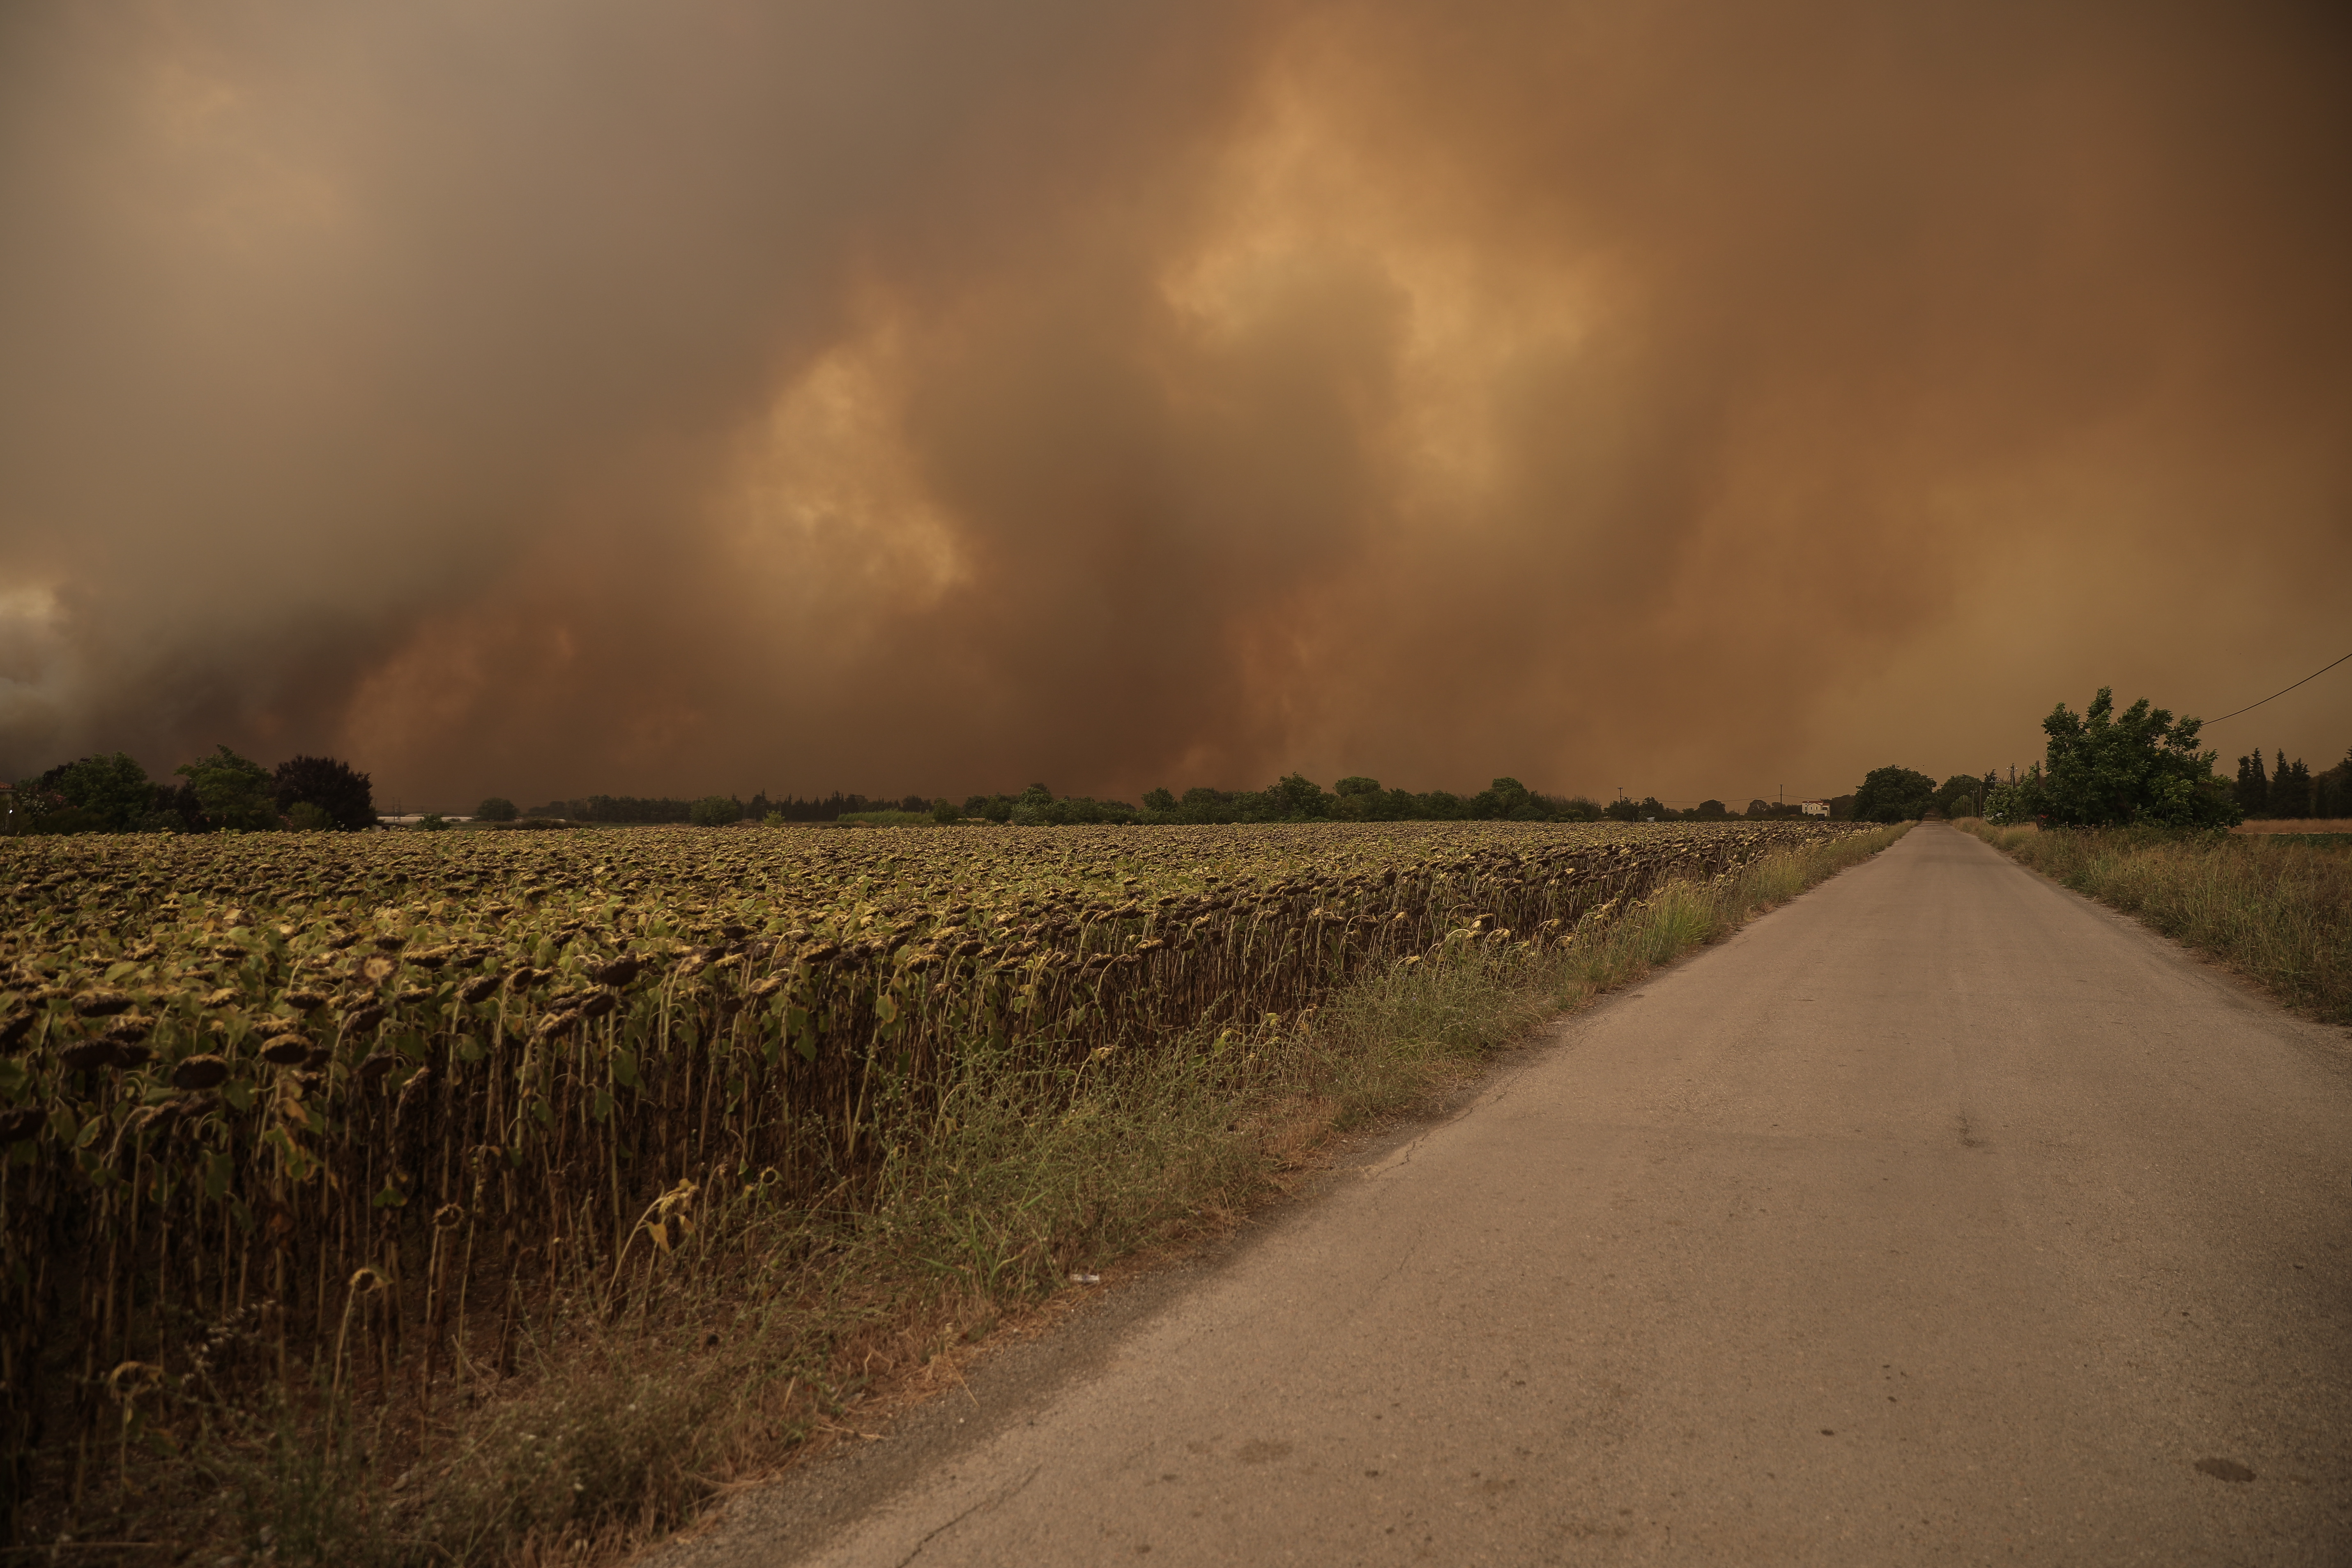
(547, 398)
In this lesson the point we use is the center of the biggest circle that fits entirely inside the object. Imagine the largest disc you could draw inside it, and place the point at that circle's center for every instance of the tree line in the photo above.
(710, 811)
(1295, 798)
(2101, 767)
(2291, 791)
(113, 794)
(1291, 799)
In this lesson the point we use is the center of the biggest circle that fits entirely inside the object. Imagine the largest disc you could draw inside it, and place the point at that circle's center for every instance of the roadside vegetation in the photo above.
(419, 1198)
(2126, 809)
(2278, 909)
(2138, 768)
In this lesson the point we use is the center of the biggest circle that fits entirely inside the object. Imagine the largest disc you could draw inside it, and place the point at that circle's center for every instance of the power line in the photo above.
(2275, 696)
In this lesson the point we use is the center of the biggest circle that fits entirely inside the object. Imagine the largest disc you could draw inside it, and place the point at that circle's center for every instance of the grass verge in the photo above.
(2277, 909)
(769, 1332)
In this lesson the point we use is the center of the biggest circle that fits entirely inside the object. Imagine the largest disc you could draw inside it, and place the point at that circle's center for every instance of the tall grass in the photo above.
(2279, 910)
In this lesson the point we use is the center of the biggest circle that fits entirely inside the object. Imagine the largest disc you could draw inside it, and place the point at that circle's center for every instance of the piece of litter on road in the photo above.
(1086, 1279)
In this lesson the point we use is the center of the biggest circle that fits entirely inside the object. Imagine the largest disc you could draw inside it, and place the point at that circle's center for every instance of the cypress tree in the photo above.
(2253, 785)
(2291, 791)
(2331, 793)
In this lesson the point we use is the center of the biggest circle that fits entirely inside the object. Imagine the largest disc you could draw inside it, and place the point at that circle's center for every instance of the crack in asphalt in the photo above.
(1005, 1495)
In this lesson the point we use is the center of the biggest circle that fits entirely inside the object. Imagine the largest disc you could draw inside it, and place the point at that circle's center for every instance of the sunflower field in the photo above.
(363, 1099)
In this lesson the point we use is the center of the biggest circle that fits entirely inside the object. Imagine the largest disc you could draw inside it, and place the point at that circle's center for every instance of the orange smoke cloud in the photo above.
(572, 398)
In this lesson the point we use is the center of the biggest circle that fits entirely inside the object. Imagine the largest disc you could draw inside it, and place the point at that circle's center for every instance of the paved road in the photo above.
(1939, 1217)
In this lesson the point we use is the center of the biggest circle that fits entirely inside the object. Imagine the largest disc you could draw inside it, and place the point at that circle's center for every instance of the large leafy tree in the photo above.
(1893, 794)
(348, 797)
(108, 794)
(1961, 795)
(234, 791)
(1296, 796)
(1506, 797)
(2107, 769)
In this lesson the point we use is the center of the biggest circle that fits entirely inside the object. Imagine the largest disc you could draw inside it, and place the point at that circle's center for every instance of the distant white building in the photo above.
(1816, 808)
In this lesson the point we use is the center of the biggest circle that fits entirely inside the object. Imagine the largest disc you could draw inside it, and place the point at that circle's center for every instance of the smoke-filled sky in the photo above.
(595, 395)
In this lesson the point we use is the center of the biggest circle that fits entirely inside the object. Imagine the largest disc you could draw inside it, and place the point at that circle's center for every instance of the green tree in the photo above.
(497, 808)
(344, 793)
(108, 793)
(2291, 790)
(1893, 794)
(2253, 791)
(1159, 800)
(2332, 791)
(1033, 808)
(235, 792)
(2105, 769)
(1297, 797)
(1505, 798)
(944, 811)
(1439, 806)
(1960, 795)
(2017, 801)
(1356, 784)
(715, 811)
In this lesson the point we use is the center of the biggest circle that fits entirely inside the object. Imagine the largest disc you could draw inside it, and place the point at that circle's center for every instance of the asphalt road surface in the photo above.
(1938, 1216)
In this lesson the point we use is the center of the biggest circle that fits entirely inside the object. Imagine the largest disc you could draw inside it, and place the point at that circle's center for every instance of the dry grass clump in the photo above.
(2291, 824)
(439, 1198)
(2278, 909)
